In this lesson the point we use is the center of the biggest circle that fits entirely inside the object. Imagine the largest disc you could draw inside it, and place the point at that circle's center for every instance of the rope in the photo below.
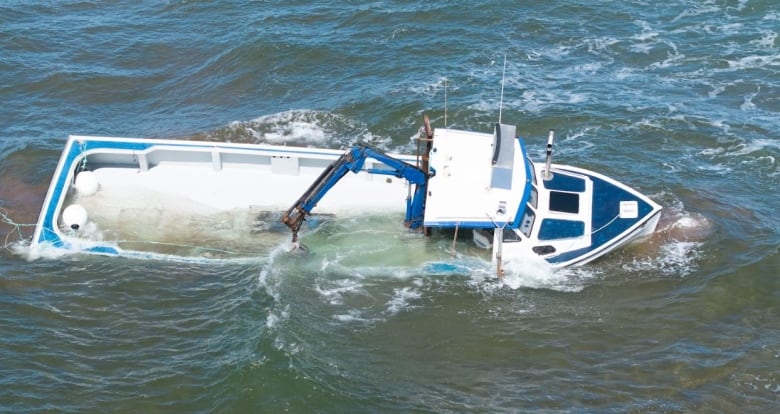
(605, 226)
(17, 226)
(83, 148)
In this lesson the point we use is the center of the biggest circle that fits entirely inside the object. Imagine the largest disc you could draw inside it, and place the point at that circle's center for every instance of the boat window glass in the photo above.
(564, 202)
(483, 238)
(542, 250)
(511, 236)
(533, 171)
(528, 222)
(533, 200)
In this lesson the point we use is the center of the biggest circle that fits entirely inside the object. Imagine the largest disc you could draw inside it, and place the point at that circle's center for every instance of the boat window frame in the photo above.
(527, 229)
(566, 202)
(533, 199)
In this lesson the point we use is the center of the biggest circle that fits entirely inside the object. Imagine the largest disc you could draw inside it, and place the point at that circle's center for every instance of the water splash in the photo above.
(677, 246)
(299, 127)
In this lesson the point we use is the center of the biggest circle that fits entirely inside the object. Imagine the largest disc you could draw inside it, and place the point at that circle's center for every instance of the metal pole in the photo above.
(499, 240)
(455, 239)
(547, 165)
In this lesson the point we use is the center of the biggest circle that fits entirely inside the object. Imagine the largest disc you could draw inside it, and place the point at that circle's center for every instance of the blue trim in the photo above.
(48, 233)
(526, 189)
(108, 250)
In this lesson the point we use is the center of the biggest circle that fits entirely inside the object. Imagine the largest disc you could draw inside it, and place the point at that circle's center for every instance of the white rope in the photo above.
(604, 226)
(17, 226)
(83, 148)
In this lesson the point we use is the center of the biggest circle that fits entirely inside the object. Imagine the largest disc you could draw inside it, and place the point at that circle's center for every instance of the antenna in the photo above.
(501, 102)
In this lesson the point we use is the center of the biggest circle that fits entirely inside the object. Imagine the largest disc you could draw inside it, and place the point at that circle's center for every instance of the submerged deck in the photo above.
(159, 195)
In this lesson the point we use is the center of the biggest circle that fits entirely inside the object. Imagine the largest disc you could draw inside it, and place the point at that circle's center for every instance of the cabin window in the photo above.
(533, 200)
(527, 224)
(564, 202)
(511, 236)
(542, 250)
(533, 171)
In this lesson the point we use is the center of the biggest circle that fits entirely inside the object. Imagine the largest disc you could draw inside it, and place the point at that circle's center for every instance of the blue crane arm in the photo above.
(353, 160)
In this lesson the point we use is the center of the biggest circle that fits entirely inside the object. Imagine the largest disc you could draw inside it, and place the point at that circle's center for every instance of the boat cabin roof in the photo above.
(481, 180)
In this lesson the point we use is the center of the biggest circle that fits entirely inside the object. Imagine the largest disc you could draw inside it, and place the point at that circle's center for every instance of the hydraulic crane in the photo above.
(353, 160)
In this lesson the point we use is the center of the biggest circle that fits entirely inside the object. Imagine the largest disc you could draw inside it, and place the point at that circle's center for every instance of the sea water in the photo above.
(678, 100)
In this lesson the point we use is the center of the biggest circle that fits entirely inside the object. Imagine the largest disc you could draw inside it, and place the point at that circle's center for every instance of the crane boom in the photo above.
(353, 160)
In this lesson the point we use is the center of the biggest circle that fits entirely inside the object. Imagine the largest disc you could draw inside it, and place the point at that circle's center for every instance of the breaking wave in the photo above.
(299, 127)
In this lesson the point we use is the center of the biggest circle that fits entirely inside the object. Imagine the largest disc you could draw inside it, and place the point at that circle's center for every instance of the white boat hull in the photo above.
(159, 195)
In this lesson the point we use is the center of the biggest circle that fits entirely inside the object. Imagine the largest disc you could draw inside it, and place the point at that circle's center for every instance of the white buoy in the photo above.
(87, 183)
(75, 216)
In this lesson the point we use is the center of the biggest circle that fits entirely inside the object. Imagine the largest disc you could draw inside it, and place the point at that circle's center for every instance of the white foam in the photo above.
(434, 88)
(673, 59)
(305, 131)
(273, 319)
(730, 28)
(333, 291)
(317, 128)
(287, 126)
(600, 43)
(678, 243)
(747, 104)
(40, 251)
(696, 11)
(772, 15)
(353, 315)
(535, 273)
(268, 277)
(687, 223)
(647, 31)
(767, 40)
(401, 299)
(742, 148)
(625, 73)
(528, 272)
(677, 258)
(755, 61)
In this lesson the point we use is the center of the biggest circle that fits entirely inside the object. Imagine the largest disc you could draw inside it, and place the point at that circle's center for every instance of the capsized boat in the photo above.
(134, 197)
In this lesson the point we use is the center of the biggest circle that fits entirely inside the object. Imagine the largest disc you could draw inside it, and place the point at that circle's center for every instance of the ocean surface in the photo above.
(678, 99)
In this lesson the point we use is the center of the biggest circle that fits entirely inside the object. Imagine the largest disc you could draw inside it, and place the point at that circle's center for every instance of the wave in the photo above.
(300, 127)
